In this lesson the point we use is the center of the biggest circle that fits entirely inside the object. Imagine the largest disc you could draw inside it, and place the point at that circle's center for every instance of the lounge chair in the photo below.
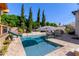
(50, 34)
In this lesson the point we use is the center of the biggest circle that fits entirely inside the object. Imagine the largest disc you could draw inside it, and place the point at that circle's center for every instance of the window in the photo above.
(4, 29)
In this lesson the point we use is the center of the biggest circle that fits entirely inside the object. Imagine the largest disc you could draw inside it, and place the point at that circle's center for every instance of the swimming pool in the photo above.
(38, 45)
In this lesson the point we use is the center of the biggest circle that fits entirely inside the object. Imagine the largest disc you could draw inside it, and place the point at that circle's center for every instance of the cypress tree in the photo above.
(30, 22)
(38, 18)
(22, 20)
(43, 23)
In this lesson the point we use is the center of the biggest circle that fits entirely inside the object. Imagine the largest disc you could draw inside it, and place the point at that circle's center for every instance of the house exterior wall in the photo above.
(77, 23)
(0, 12)
(3, 9)
(3, 28)
(0, 15)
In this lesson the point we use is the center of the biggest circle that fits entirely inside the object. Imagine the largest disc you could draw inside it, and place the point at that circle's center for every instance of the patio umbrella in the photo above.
(47, 28)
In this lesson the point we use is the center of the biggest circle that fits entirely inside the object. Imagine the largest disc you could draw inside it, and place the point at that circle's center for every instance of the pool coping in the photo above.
(62, 51)
(22, 47)
(16, 48)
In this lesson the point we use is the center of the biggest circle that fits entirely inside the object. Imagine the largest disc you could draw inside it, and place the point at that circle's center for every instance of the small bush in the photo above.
(20, 30)
(4, 49)
(72, 33)
(6, 42)
(70, 30)
(5, 45)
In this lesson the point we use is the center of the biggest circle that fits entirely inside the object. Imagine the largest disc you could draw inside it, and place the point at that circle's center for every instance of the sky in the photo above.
(54, 12)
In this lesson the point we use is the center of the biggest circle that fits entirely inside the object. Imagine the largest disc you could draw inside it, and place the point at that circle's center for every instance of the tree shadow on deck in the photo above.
(68, 38)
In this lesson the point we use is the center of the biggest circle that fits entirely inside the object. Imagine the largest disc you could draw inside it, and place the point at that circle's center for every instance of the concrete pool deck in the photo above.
(68, 46)
(16, 47)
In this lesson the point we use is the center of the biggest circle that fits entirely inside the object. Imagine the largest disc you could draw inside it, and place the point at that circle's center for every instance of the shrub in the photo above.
(4, 49)
(5, 45)
(69, 29)
(72, 32)
(20, 30)
(6, 42)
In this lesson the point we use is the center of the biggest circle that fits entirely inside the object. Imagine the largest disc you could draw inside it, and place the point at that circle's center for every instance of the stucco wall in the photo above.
(77, 23)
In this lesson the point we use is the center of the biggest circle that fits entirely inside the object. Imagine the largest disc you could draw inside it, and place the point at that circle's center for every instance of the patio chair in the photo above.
(50, 34)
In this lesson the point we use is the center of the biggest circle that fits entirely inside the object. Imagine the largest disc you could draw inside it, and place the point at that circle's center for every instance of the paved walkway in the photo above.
(34, 33)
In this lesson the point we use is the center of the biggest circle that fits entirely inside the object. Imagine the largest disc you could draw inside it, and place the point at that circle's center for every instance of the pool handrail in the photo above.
(14, 33)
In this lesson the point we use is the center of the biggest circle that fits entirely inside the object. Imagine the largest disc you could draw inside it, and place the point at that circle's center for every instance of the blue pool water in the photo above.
(38, 45)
